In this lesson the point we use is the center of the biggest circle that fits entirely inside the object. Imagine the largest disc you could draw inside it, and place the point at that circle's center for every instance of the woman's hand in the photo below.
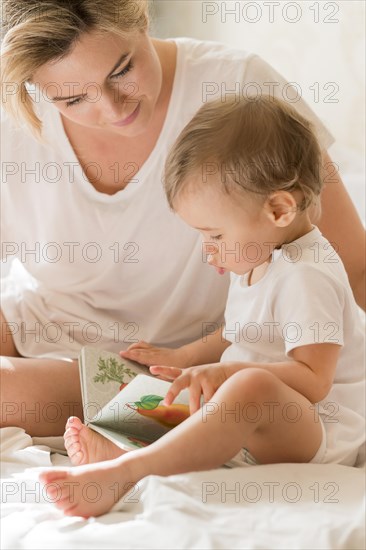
(203, 379)
(147, 354)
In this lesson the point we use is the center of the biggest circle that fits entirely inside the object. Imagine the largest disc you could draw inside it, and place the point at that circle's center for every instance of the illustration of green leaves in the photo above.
(110, 370)
(149, 402)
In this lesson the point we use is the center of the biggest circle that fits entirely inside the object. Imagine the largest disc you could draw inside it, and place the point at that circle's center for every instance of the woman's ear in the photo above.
(281, 208)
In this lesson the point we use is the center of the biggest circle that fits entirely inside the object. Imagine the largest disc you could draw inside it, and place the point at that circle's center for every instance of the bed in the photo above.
(284, 506)
(256, 507)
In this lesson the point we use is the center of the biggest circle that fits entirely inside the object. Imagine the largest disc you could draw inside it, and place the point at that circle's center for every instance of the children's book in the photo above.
(122, 400)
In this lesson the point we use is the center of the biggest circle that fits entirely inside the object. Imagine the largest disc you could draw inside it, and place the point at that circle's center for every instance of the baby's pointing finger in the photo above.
(177, 386)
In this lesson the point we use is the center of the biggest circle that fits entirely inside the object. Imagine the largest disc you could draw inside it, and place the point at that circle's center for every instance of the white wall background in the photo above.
(318, 44)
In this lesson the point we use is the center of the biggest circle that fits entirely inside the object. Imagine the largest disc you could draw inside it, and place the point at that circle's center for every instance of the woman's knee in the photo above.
(7, 345)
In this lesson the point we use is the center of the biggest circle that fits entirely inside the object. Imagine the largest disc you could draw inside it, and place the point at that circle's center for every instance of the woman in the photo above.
(100, 259)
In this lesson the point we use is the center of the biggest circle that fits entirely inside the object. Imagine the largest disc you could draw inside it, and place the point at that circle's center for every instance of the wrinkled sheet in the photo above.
(282, 506)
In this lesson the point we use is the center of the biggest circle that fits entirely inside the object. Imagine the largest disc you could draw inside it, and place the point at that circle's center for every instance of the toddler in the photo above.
(282, 380)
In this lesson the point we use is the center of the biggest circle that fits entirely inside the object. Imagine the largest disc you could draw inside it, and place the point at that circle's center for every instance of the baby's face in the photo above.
(237, 234)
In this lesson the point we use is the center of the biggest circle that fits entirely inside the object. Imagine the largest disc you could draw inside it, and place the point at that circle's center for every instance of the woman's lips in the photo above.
(129, 119)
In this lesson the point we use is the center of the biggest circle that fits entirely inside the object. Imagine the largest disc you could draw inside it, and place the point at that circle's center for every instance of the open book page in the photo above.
(102, 375)
(124, 441)
(135, 415)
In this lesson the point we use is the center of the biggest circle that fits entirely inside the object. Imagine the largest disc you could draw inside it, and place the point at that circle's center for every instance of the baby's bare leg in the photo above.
(206, 440)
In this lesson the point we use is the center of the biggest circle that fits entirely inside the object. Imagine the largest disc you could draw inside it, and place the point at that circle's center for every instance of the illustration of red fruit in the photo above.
(122, 386)
(166, 416)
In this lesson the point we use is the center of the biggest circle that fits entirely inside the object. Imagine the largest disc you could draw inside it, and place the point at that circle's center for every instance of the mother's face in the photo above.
(106, 82)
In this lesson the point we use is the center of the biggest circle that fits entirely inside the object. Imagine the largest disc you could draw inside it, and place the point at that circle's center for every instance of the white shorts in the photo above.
(332, 449)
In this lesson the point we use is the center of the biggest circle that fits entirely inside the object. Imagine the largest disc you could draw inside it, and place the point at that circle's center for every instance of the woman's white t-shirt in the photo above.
(95, 269)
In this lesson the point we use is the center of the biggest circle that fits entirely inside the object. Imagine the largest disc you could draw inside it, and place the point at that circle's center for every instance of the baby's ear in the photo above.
(281, 208)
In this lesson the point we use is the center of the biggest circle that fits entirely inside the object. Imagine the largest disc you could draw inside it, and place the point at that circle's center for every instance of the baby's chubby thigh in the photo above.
(248, 395)
(277, 423)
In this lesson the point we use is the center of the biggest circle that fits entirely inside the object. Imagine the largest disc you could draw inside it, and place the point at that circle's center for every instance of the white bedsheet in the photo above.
(282, 506)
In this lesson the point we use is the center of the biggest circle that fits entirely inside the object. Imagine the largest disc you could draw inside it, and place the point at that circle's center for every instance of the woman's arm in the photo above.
(341, 225)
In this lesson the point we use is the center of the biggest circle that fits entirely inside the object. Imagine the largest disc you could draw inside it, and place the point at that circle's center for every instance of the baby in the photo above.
(282, 380)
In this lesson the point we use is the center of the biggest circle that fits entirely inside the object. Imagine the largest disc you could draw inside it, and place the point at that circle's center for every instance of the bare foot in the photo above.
(91, 490)
(85, 446)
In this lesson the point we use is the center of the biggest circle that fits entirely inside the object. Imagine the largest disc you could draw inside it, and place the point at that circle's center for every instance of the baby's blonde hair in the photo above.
(258, 145)
(38, 31)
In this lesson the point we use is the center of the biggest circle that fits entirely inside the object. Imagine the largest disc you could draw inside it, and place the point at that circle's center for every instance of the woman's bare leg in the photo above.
(38, 395)
(7, 346)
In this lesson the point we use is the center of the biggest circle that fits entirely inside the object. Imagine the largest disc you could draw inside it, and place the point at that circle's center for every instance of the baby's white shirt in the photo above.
(305, 298)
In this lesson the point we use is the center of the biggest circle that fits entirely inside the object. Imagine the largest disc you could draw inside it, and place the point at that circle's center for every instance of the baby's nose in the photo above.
(209, 250)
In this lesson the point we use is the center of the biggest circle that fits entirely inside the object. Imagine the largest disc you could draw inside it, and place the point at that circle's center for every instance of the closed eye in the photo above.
(216, 237)
(124, 71)
(74, 101)
(121, 74)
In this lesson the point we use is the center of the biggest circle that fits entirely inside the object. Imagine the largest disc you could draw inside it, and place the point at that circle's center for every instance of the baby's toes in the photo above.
(71, 432)
(51, 476)
(64, 500)
(74, 422)
(76, 455)
(71, 440)
(73, 448)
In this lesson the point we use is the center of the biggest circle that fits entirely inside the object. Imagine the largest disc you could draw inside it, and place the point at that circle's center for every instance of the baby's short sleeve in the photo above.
(308, 307)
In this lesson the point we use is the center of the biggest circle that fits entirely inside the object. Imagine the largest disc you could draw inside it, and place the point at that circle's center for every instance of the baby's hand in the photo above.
(203, 379)
(147, 354)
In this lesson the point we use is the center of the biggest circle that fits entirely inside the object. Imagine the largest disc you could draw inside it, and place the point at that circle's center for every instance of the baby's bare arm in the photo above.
(311, 372)
(207, 349)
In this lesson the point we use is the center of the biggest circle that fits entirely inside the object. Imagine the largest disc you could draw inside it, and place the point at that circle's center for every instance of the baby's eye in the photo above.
(216, 237)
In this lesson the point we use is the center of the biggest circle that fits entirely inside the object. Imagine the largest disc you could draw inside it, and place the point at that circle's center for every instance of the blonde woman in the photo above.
(98, 257)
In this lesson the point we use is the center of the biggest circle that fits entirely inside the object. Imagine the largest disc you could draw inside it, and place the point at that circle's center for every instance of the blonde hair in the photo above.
(36, 32)
(258, 145)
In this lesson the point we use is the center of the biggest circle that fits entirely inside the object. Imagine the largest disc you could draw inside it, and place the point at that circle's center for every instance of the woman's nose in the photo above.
(111, 105)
